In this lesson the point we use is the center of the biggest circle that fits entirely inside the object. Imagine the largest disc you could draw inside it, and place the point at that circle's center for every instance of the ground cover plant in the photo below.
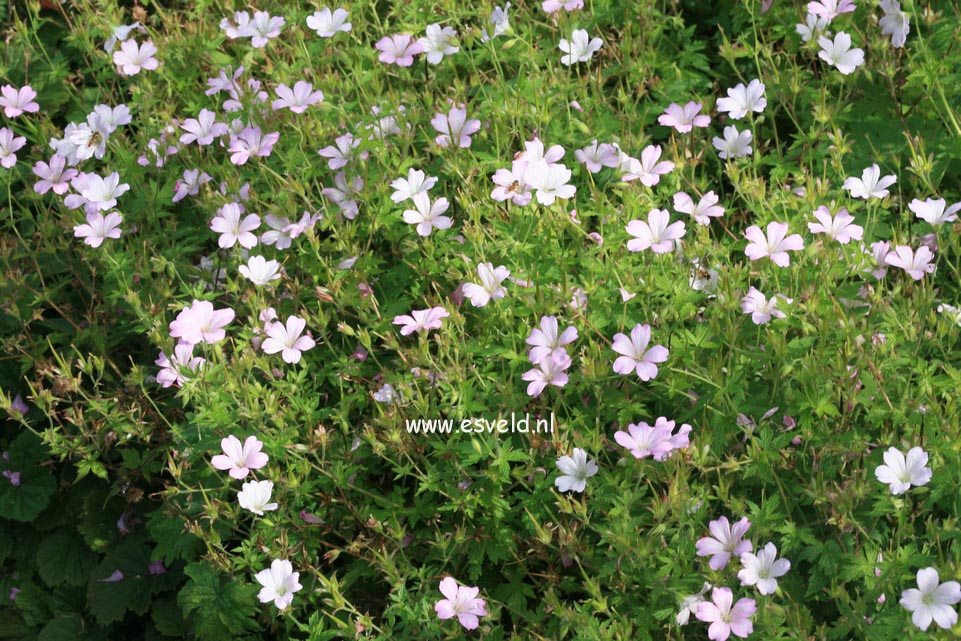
(433, 320)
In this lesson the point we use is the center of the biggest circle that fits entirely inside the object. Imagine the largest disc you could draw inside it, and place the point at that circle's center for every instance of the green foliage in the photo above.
(216, 606)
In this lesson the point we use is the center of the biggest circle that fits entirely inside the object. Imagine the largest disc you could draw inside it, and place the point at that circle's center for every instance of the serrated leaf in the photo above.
(62, 558)
(173, 542)
(169, 619)
(66, 627)
(217, 607)
(110, 600)
(25, 501)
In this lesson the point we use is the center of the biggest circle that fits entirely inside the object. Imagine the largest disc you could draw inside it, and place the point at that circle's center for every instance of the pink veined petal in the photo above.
(646, 371)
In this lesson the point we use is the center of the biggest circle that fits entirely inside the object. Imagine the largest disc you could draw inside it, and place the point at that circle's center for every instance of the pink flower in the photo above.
(635, 356)
(655, 234)
(461, 602)
(201, 323)
(98, 228)
(490, 287)
(421, 320)
(298, 98)
(724, 619)
(705, 209)
(831, 9)
(597, 156)
(840, 227)
(454, 128)
(287, 339)
(553, 6)
(726, 540)
(251, 142)
(190, 184)
(549, 371)
(427, 216)
(261, 29)
(203, 129)
(233, 229)
(9, 144)
(649, 168)
(643, 440)
(545, 340)
(760, 308)
(933, 211)
(683, 119)
(775, 246)
(398, 49)
(53, 176)
(240, 459)
(338, 156)
(172, 368)
(132, 57)
(17, 101)
(279, 583)
(916, 264)
(343, 192)
(511, 185)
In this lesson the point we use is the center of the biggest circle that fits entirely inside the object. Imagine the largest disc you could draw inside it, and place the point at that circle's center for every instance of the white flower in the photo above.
(490, 287)
(838, 53)
(550, 181)
(734, 144)
(689, 605)
(259, 270)
(574, 471)
(233, 229)
(327, 24)
(438, 43)
(895, 22)
(932, 600)
(255, 496)
(705, 209)
(387, 394)
(953, 312)
(901, 472)
(287, 339)
(416, 182)
(703, 280)
(580, 48)
(763, 569)
(870, 184)
(280, 582)
(814, 26)
(933, 211)
(427, 216)
(743, 99)
(499, 19)
(103, 192)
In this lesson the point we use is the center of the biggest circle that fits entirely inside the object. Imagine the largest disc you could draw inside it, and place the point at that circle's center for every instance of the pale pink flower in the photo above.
(649, 168)
(99, 227)
(9, 145)
(545, 340)
(932, 600)
(550, 182)
(233, 229)
(726, 620)
(726, 540)
(549, 371)
(417, 182)
(580, 48)
(763, 569)
(553, 6)
(760, 308)
(879, 254)
(251, 142)
(813, 27)
(234, 27)
(287, 339)
(438, 43)
(338, 156)
(915, 263)
(54, 175)
(870, 184)
(239, 458)
(421, 320)
(511, 185)
(428, 216)
(262, 28)
(131, 58)
(398, 49)
(298, 98)
(685, 118)
(933, 211)
(658, 234)
(705, 209)
(490, 287)
(643, 440)
(894, 23)
(203, 129)
(190, 184)
(597, 156)
(831, 9)
(18, 101)
(775, 245)
(734, 144)
(840, 227)
(635, 355)
(201, 323)
(454, 128)
(343, 192)
(461, 602)
(171, 369)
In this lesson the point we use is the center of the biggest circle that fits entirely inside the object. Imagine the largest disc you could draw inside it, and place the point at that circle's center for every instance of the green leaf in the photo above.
(217, 607)
(62, 558)
(110, 600)
(173, 541)
(66, 627)
(25, 501)
(169, 619)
